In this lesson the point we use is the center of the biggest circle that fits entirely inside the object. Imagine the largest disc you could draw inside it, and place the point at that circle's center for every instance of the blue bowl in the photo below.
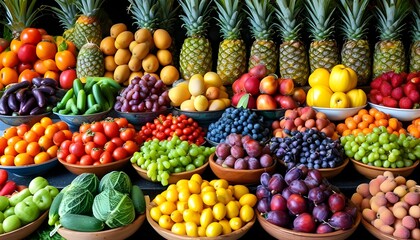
(77, 120)
(141, 118)
(18, 120)
(33, 169)
(203, 118)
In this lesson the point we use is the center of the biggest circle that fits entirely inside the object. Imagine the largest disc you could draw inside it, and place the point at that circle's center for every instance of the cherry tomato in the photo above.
(71, 158)
(87, 136)
(122, 122)
(99, 139)
(111, 129)
(84, 127)
(131, 147)
(77, 149)
(106, 157)
(65, 145)
(127, 134)
(97, 127)
(86, 160)
(30, 35)
(110, 146)
(119, 153)
(27, 53)
(77, 137)
(187, 131)
(96, 153)
(118, 142)
(62, 153)
(66, 78)
(89, 146)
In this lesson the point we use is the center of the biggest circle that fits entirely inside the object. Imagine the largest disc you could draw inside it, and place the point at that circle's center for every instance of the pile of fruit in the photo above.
(33, 97)
(303, 201)
(102, 142)
(391, 204)
(243, 152)
(201, 93)
(129, 54)
(162, 157)
(238, 120)
(97, 95)
(336, 89)
(24, 206)
(310, 147)
(414, 128)
(382, 149)
(145, 94)
(303, 118)
(199, 208)
(266, 92)
(25, 145)
(396, 90)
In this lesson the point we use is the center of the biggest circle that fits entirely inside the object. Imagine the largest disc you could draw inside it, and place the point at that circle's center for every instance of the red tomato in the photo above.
(27, 53)
(96, 153)
(118, 142)
(97, 127)
(77, 149)
(111, 129)
(23, 66)
(30, 35)
(119, 153)
(131, 146)
(89, 146)
(110, 146)
(127, 134)
(86, 160)
(87, 137)
(65, 145)
(122, 122)
(106, 157)
(71, 158)
(99, 139)
(66, 78)
(84, 127)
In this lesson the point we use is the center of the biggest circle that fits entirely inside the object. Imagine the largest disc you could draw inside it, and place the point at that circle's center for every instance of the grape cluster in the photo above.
(161, 158)
(311, 147)
(382, 149)
(145, 94)
(238, 120)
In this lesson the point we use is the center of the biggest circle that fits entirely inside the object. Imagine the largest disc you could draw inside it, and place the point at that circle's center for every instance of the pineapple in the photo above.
(263, 49)
(231, 61)
(389, 53)
(415, 45)
(323, 51)
(66, 14)
(90, 61)
(87, 27)
(196, 52)
(144, 14)
(19, 15)
(293, 58)
(355, 52)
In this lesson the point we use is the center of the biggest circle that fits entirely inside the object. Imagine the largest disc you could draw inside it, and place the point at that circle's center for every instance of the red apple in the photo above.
(251, 85)
(287, 102)
(236, 97)
(258, 71)
(286, 86)
(299, 95)
(269, 85)
(266, 102)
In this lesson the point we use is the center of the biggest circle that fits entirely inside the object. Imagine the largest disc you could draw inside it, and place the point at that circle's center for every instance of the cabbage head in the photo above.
(87, 181)
(116, 209)
(117, 180)
(76, 201)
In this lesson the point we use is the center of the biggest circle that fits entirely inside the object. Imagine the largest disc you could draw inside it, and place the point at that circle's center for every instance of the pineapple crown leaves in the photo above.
(230, 18)
(196, 16)
(391, 15)
(20, 14)
(287, 13)
(144, 13)
(260, 15)
(416, 25)
(66, 12)
(89, 8)
(320, 18)
(167, 14)
(355, 19)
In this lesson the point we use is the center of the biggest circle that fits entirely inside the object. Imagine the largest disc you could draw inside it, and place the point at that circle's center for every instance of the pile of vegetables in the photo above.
(89, 204)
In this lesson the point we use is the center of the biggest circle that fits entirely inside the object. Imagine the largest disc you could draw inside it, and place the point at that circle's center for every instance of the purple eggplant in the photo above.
(11, 88)
(36, 81)
(49, 82)
(37, 110)
(4, 108)
(47, 89)
(20, 94)
(39, 97)
(13, 103)
(27, 106)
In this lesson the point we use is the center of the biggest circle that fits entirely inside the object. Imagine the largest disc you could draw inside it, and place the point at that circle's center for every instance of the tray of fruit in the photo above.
(180, 161)
(285, 212)
(99, 147)
(229, 217)
(396, 94)
(241, 160)
(389, 206)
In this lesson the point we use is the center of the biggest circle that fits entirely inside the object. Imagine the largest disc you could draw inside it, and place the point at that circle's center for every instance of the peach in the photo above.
(363, 189)
(286, 86)
(401, 232)
(369, 214)
(412, 198)
(409, 222)
(388, 185)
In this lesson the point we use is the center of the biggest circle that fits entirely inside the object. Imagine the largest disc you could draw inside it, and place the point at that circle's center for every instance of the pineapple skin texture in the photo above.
(388, 56)
(357, 56)
(293, 62)
(195, 57)
(231, 61)
(86, 29)
(264, 52)
(90, 61)
(415, 57)
(323, 54)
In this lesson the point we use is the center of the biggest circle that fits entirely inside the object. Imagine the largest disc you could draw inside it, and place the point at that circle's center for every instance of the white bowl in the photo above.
(337, 114)
(398, 113)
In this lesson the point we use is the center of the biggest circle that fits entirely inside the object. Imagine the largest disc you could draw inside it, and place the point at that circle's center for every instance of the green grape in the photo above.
(164, 175)
(160, 166)
(371, 157)
(349, 153)
(400, 164)
(193, 151)
(408, 163)
(386, 164)
(181, 151)
(166, 164)
(347, 146)
(357, 156)
(178, 169)
(190, 167)
(361, 152)
(174, 162)
(383, 138)
(355, 148)
(364, 145)
(392, 158)
(184, 161)
(381, 151)
(198, 162)
(365, 160)
(164, 182)
(377, 163)
(386, 147)
(383, 156)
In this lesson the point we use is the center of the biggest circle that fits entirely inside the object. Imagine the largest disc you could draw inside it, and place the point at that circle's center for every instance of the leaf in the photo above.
(243, 102)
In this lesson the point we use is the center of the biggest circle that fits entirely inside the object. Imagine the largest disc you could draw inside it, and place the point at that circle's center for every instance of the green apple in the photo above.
(18, 197)
(4, 203)
(37, 183)
(8, 212)
(42, 198)
(11, 223)
(27, 210)
(1, 228)
(2, 217)
(53, 190)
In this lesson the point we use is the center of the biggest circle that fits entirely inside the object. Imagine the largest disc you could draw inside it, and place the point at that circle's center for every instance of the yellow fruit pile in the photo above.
(128, 54)
(200, 93)
(199, 208)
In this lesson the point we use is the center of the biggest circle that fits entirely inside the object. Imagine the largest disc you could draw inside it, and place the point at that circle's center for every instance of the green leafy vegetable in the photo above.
(117, 180)
(77, 201)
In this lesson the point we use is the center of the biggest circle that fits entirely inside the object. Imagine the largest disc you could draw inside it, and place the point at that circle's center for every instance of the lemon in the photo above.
(191, 216)
(239, 191)
(219, 211)
(172, 195)
(235, 223)
(201, 103)
(212, 79)
(182, 184)
(246, 213)
(155, 213)
(179, 228)
(181, 206)
(195, 203)
(196, 85)
(208, 188)
(206, 217)
(221, 183)
(209, 198)
(204, 184)
(165, 222)
(176, 216)
(197, 177)
(194, 186)
(184, 194)
(232, 209)
(223, 195)
(226, 226)
(167, 207)
(248, 199)
(214, 229)
(191, 229)
(201, 231)
(159, 199)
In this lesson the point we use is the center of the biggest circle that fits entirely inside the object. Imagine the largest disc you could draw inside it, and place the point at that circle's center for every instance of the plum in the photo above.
(321, 212)
(240, 163)
(278, 218)
(229, 162)
(262, 192)
(341, 220)
(222, 150)
(263, 205)
(337, 202)
(324, 228)
(304, 223)
(317, 195)
(266, 160)
(296, 204)
(298, 186)
(237, 151)
(234, 139)
(252, 147)
(278, 202)
(253, 163)
(276, 183)
(265, 178)
(293, 174)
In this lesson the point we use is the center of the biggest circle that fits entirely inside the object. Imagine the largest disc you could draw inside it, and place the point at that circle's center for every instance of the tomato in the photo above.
(22, 129)
(71, 158)
(27, 75)
(118, 142)
(66, 144)
(84, 127)
(23, 66)
(77, 149)
(77, 137)
(23, 159)
(31, 36)
(66, 78)
(97, 127)
(111, 129)
(46, 50)
(52, 151)
(27, 53)
(87, 136)
(106, 157)
(131, 146)
(96, 153)
(3, 145)
(51, 130)
(45, 142)
(127, 134)
(100, 139)
(89, 146)
(59, 137)
(62, 153)
(119, 153)
(110, 146)
(86, 160)
(41, 157)
(122, 122)
(65, 60)
(8, 75)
